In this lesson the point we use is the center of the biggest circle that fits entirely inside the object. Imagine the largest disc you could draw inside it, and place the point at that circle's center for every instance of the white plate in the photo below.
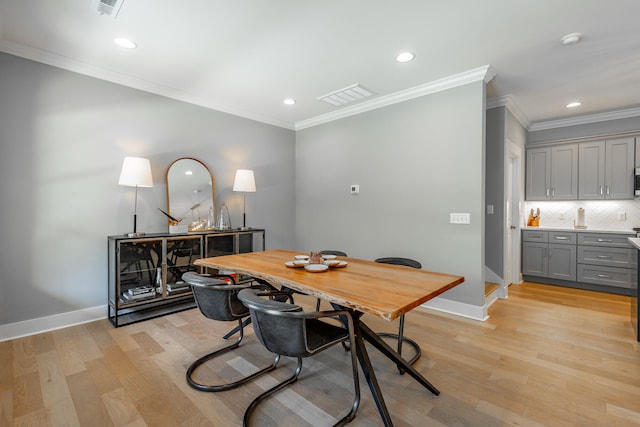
(327, 256)
(297, 263)
(331, 262)
(316, 268)
(340, 264)
(301, 257)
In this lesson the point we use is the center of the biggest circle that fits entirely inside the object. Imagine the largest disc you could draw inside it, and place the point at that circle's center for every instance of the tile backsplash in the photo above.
(599, 214)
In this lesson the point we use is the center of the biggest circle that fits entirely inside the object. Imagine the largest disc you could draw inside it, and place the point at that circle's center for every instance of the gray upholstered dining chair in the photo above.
(218, 300)
(407, 262)
(286, 330)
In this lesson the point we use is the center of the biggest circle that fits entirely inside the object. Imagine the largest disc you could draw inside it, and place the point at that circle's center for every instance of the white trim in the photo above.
(128, 81)
(485, 74)
(50, 323)
(474, 312)
(509, 102)
(591, 118)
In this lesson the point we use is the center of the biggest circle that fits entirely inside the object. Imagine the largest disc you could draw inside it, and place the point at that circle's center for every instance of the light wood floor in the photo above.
(548, 356)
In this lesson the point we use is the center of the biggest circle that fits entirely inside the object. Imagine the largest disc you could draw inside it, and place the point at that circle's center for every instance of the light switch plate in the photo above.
(355, 189)
(460, 218)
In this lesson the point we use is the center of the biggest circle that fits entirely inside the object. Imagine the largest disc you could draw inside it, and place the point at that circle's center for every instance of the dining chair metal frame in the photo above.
(277, 325)
(400, 337)
(222, 305)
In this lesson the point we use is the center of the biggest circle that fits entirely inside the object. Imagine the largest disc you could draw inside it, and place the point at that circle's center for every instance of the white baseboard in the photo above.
(459, 308)
(50, 323)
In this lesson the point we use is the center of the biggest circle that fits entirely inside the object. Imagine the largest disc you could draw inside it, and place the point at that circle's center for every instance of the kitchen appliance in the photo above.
(637, 181)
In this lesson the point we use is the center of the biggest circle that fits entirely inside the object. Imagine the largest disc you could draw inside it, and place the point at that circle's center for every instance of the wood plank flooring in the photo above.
(547, 356)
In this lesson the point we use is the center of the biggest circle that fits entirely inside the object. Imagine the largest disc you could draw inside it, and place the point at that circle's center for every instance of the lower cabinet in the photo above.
(607, 260)
(596, 261)
(549, 254)
(145, 273)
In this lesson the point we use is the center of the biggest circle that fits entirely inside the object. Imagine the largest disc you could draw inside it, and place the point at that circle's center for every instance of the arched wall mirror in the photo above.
(189, 193)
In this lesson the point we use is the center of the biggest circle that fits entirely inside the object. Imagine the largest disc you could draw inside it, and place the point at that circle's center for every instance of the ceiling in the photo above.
(246, 56)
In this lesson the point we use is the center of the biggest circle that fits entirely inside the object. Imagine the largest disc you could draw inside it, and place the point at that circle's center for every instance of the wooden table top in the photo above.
(383, 290)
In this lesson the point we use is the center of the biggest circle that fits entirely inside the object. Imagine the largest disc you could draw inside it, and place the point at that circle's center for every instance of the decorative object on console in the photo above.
(246, 183)
(136, 172)
(223, 222)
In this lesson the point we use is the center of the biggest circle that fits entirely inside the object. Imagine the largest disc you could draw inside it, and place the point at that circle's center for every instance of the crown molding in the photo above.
(69, 64)
(485, 73)
(590, 118)
(508, 101)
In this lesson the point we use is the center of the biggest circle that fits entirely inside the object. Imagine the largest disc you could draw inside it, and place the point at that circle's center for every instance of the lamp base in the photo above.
(135, 234)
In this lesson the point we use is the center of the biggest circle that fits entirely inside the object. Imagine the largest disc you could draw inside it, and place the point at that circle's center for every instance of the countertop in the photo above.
(580, 230)
(635, 242)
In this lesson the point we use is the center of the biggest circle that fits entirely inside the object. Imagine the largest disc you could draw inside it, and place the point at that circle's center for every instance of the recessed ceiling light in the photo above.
(125, 43)
(571, 38)
(574, 104)
(289, 101)
(405, 57)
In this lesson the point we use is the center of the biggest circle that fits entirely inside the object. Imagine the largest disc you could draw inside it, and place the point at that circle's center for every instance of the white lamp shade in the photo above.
(136, 172)
(244, 181)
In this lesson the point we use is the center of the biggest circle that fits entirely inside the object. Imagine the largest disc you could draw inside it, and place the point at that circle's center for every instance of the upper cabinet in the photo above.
(552, 173)
(592, 170)
(606, 169)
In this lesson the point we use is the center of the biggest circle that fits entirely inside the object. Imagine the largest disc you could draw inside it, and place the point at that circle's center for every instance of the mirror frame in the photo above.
(206, 199)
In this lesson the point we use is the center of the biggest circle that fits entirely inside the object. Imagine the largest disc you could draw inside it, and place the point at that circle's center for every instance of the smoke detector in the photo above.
(109, 7)
(572, 38)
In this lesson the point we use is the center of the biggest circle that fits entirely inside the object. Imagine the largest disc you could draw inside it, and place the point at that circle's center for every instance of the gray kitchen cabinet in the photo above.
(607, 260)
(552, 173)
(606, 169)
(549, 254)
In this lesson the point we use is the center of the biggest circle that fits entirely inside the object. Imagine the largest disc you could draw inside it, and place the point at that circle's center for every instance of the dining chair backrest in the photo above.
(408, 262)
(216, 298)
(333, 252)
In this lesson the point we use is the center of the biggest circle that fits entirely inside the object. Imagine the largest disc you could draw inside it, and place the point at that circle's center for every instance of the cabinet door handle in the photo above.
(601, 191)
(603, 257)
(561, 238)
(604, 240)
(553, 192)
(550, 253)
(548, 191)
(607, 190)
(604, 276)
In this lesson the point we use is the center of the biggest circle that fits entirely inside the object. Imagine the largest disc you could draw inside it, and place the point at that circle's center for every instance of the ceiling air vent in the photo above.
(109, 7)
(347, 95)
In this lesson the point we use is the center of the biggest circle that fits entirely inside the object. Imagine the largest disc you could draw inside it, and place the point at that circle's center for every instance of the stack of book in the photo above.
(139, 293)
(179, 286)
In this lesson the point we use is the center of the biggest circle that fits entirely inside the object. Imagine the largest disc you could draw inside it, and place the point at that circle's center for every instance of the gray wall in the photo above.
(415, 162)
(501, 126)
(63, 138)
(494, 190)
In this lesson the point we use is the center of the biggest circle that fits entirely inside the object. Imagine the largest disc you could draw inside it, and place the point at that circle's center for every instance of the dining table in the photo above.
(358, 285)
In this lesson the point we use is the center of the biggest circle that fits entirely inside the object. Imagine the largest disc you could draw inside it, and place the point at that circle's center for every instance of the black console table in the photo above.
(145, 272)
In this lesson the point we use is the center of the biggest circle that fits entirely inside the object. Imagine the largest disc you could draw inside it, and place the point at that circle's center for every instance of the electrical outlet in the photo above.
(622, 216)
(355, 189)
(489, 209)
(460, 218)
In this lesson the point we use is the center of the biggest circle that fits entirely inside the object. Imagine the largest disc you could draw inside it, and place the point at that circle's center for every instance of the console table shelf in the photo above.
(145, 273)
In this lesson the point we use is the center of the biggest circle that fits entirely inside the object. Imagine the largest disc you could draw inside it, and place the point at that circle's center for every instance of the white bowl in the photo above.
(327, 256)
(300, 262)
(331, 262)
(301, 257)
(316, 268)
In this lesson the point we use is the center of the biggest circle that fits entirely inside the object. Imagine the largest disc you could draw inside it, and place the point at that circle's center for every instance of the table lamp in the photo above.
(244, 182)
(136, 172)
